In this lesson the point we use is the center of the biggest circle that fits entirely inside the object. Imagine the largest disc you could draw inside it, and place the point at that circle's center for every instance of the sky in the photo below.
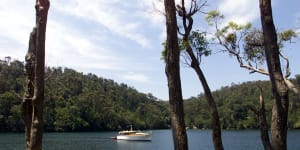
(121, 40)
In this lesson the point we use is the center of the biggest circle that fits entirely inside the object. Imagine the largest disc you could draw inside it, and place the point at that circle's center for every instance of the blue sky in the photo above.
(121, 40)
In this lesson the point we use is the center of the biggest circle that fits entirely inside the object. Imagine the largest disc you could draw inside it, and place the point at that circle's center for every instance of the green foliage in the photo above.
(8, 111)
(233, 105)
(236, 27)
(68, 119)
(254, 43)
(243, 41)
(181, 47)
(164, 51)
(78, 102)
(213, 16)
(254, 46)
(198, 42)
(287, 35)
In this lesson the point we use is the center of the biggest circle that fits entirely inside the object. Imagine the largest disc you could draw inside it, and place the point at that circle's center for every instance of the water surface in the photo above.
(161, 140)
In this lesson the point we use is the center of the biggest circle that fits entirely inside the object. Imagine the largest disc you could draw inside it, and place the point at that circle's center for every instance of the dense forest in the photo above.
(235, 105)
(78, 102)
(85, 102)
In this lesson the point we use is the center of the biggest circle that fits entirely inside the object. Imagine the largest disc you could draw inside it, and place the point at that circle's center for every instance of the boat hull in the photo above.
(134, 138)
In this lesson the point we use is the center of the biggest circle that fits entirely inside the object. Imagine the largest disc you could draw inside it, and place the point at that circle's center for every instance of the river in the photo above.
(161, 140)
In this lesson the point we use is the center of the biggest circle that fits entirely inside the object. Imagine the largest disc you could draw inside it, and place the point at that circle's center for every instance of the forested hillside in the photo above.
(234, 105)
(85, 102)
(78, 102)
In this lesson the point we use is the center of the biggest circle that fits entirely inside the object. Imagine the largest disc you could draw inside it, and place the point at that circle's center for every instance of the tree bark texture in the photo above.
(187, 22)
(29, 87)
(217, 134)
(279, 88)
(173, 77)
(34, 94)
(263, 123)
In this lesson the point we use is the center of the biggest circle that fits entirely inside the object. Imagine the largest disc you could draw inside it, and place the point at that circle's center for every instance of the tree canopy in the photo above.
(234, 104)
(85, 102)
(80, 102)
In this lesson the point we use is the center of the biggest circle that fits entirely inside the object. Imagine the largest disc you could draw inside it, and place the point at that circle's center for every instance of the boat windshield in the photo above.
(127, 132)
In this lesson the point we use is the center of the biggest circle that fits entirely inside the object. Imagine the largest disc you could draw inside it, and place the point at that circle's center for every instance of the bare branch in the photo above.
(186, 59)
(236, 52)
(287, 66)
(156, 9)
(291, 86)
(179, 32)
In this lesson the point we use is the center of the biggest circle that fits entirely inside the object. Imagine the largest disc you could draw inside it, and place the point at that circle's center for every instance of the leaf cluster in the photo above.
(243, 41)
(197, 40)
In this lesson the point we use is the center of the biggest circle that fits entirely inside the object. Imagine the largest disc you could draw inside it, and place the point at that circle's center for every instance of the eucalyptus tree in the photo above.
(279, 86)
(196, 46)
(32, 105)
(246, 45)
(252, 48)
(262, 120)
(173, 77)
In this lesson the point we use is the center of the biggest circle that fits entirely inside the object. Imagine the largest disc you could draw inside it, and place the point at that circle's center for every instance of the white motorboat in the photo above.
(132, 135)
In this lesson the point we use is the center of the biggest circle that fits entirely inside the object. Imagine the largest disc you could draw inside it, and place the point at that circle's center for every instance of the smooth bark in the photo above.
(263, 123)
(216, 127)
(173, 77)
(187, 22)
(279, 87)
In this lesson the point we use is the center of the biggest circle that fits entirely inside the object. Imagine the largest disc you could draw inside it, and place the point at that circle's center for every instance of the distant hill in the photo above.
(233, 104)
(85, 102)
(79, 102)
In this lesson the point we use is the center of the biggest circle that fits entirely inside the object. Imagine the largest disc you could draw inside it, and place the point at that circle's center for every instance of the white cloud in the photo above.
(154, 11)
(98, 36)
(138, 77)
(241, 11)
(298, 31)
(115, 15)
(16, 24)
(67, 45)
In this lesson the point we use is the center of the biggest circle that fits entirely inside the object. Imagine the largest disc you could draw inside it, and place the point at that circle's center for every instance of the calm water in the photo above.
(161, 140)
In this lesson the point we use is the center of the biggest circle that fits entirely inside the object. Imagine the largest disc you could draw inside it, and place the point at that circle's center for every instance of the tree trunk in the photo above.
(173, 77)
(34, 94)
(187, 21)
(217, 135)
(263, 123)
(29, 88)
(279, 88)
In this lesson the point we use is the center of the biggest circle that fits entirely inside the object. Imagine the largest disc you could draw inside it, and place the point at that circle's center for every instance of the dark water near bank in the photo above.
(161, 140)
